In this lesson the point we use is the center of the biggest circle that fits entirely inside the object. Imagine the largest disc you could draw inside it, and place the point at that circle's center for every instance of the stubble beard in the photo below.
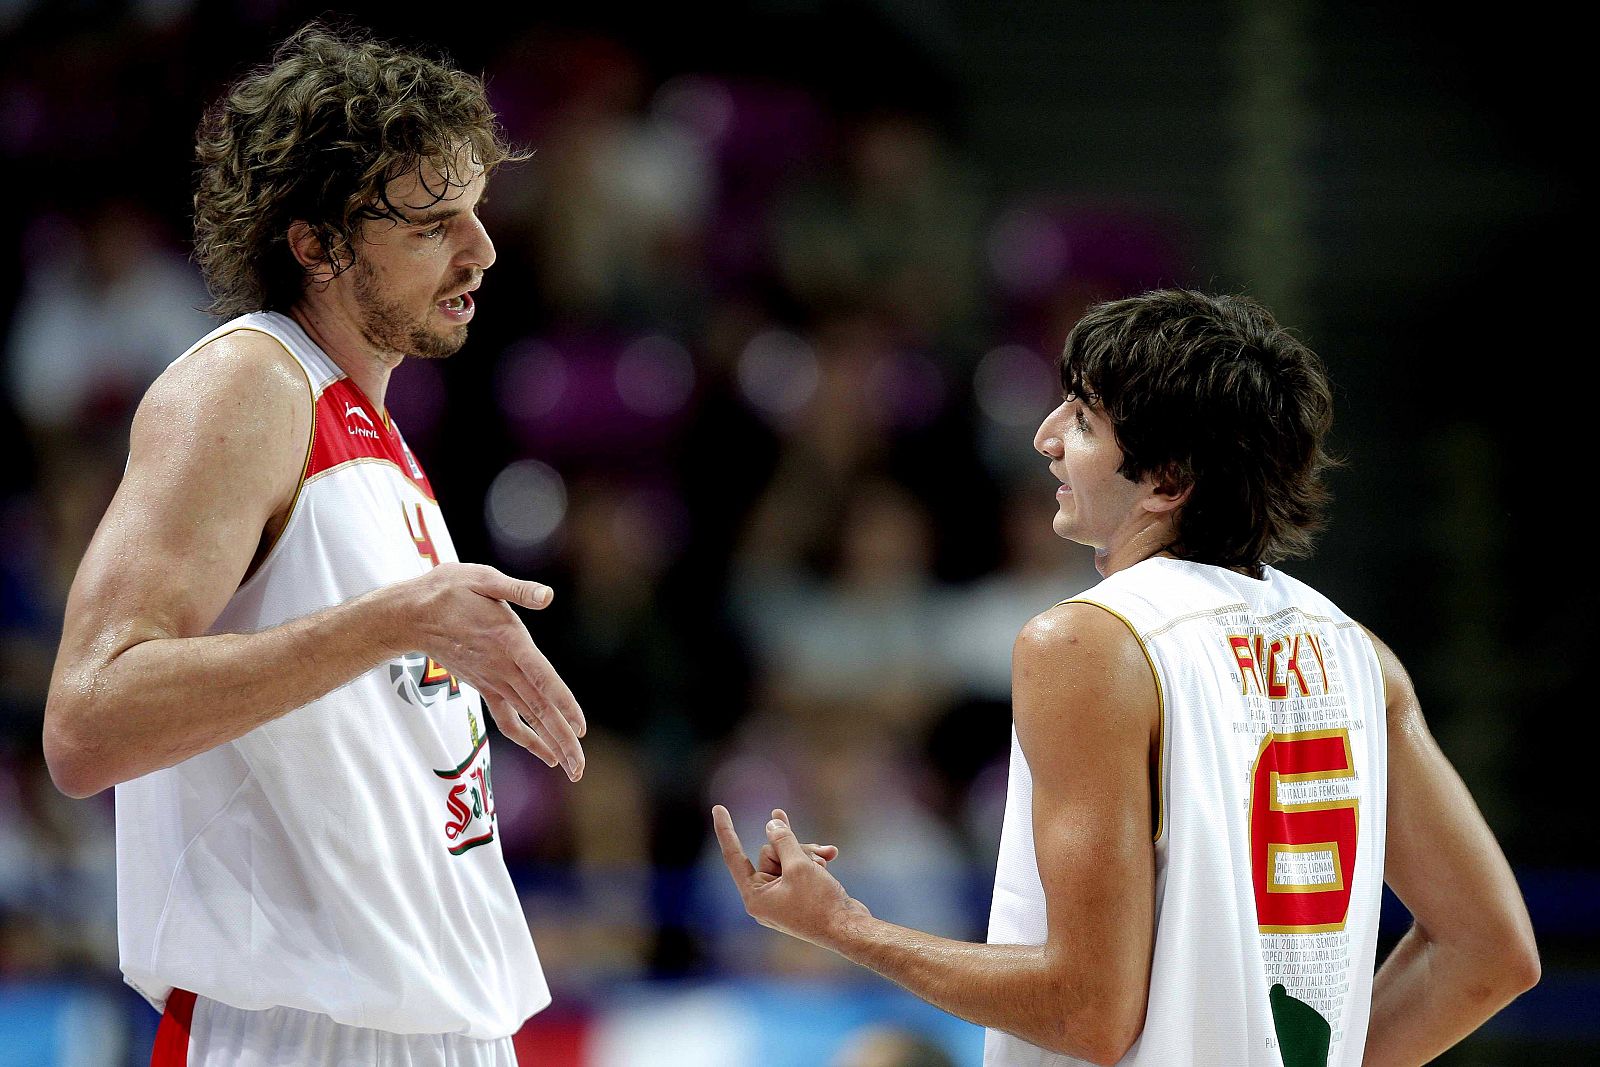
(385, 326)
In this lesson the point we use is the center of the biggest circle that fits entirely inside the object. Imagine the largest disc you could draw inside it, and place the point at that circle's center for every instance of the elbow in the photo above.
(1501, 965)
(74, 768)
(1112, 1044)
(1511, 964)
(1521, 967)
(1104, 1036)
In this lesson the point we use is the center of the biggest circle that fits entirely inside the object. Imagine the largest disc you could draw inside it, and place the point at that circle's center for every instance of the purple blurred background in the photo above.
(753, 385)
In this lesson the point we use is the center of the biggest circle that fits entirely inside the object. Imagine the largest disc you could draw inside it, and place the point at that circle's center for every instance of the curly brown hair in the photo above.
(317, 135)
(1209, 392)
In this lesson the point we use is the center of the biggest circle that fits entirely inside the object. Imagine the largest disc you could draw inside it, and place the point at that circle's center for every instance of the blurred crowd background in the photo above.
(753, 385)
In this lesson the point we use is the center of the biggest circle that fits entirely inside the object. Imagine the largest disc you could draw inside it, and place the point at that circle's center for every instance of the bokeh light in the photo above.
(525, 506)
(1014, 385)
(655, 376)
(778, 373)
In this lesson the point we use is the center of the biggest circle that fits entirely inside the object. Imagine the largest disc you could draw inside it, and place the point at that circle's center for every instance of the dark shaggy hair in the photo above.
(317, 135)
(1209, 392)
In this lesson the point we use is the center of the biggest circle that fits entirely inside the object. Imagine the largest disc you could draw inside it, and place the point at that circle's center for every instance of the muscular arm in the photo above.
(215, 457)
(1086, 714)
(1471, 950)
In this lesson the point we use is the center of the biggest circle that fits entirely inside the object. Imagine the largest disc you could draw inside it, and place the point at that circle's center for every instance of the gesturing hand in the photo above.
(791, 889)
(468, 627)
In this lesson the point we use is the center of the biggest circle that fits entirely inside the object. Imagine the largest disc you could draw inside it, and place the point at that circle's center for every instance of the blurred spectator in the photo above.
(868, 632)
(819, 391)
(106, 305)
(894, 229)
(619, 194)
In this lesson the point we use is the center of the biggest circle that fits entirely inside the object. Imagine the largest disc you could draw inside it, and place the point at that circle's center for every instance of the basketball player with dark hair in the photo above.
(1214, 770)
(270, 649)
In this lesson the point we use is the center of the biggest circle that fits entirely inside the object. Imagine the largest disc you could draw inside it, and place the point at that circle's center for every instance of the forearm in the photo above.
(1021, 989)
(1427, 997)
(163, 699)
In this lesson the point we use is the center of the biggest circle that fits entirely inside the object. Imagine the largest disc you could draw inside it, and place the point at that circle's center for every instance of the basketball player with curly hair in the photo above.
(270, 649)
(1214, 770)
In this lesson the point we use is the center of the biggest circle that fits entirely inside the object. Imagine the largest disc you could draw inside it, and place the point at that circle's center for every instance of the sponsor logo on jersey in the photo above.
(469, 818)
(420, 681)
(353, 416)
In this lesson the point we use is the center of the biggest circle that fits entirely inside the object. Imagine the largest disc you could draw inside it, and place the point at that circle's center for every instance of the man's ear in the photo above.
(308, 251)
(1169, 490)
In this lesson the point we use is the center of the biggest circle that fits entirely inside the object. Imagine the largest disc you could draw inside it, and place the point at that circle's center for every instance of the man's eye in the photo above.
(1083, 422)
(436, 232)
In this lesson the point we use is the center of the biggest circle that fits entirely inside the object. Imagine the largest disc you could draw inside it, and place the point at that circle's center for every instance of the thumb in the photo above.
(517, 591)
(784, 842)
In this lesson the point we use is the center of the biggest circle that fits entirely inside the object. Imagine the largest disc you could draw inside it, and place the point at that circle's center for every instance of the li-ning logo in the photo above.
(353, 411)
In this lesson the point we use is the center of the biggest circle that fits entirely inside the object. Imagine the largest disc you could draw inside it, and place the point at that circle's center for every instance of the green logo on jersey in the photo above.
(1303, 1034)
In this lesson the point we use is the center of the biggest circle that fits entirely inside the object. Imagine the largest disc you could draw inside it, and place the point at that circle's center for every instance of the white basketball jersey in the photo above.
(1270, 837)
(341, 859)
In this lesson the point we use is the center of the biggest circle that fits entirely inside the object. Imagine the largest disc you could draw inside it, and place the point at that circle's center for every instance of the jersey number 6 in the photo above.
(1303, 831)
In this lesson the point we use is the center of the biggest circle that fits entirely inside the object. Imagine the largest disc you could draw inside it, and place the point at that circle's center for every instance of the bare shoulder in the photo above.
(1081, 634)
(242, 379)
(1079, 664)
(1400, 696)
(238, 409)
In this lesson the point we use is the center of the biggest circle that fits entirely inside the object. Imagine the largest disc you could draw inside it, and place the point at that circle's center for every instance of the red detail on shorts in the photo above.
(551, 1040)
(172, 1038)
(348, 427)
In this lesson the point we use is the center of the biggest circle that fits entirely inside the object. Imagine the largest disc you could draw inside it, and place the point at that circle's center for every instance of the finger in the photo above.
(538, 712)
(767, 859)
(517, 591)
(732, 851)
(549, 685)
(548, 747)
(767, 862)
(515, 730)
(825, 853)
(783, 839)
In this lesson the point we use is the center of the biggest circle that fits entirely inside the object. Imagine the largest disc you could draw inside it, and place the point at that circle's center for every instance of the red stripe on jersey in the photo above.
(349, 428)
(172, 1037)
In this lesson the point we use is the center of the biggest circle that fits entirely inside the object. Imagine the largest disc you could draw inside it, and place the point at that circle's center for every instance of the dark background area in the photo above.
(796, 270)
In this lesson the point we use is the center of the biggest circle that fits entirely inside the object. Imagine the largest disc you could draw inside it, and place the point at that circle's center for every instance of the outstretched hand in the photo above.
(471, 630)
(789, 887)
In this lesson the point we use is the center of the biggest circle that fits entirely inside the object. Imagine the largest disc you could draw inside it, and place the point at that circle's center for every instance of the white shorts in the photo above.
(196, 1032)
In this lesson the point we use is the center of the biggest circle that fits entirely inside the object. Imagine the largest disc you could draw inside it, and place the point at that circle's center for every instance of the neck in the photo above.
(342, 341)
(1150, 538)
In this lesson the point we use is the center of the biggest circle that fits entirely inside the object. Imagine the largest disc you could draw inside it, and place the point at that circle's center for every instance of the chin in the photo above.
(1066, 532)
(430, 345)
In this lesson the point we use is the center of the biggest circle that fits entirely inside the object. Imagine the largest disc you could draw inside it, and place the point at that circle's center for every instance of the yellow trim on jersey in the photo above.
(372, 459)
(1161, 712)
